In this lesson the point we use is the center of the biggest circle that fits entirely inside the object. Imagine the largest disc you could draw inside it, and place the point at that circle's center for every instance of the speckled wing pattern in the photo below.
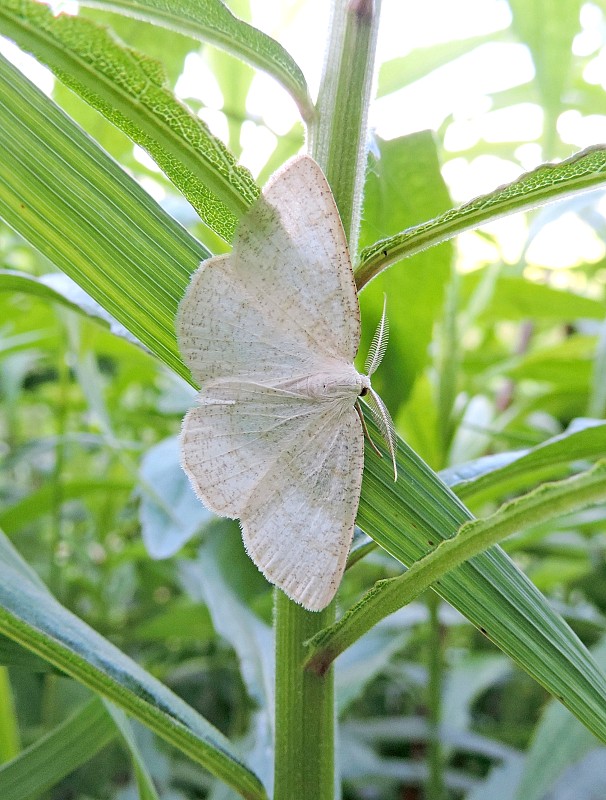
(257, 327)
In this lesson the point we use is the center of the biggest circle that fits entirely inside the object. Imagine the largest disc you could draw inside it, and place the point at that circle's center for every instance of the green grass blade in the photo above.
(410, 518)
(145, 784)
(30, 615)
(58, 288)
(64, 749)
(544, 503)
(583, 171)
(40, 502)
(64, 195)
(211, 21)
(10, 743)
(131, 90)
(550, 459)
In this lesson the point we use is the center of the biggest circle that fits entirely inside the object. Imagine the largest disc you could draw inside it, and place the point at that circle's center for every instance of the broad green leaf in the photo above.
(365, 660)
(59, 288)
(211, 21)
(584, 171)
(208, 579)
(9, 727)
(30, 615)
(60, 752)
(13, 655)
(42, 500)
(490, 478)
(559, 742)
(548, 27)
(130, 90)
(400, 72)
(388, 730)
(234, 78)
(180, 619)
(145, 784)
(403, 186)
(568, 363)
(74, 204)
(519, 299)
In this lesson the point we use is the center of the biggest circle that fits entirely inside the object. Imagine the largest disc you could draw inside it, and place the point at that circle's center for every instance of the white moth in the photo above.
(270, 332)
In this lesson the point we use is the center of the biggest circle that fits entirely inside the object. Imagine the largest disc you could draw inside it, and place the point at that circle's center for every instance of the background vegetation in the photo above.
(495, 375)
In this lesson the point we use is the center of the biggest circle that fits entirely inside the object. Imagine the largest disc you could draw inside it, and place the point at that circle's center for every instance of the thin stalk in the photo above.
(448, 366)
(304, 751)
(10, 744)
(305, 709)
(54, 577)
(435, 787)
(338, 135)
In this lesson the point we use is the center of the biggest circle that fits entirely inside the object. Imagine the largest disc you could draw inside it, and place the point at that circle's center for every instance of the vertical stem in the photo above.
(305, 711)
(338, 136)
(54, 578)
(448, 366)
(304, 752)
(10, 744)
(597, 394)
(435, 787)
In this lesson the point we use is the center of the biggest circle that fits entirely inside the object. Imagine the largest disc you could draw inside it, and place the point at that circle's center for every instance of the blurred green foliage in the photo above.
(489, 353)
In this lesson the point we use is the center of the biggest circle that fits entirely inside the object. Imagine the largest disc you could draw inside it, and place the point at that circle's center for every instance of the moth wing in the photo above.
(225, 330)
(235, 435)
(298, 524)
(291, 250)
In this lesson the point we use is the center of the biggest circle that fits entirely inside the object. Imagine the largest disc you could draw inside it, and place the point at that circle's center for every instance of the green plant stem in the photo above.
(541, 505)
(10, 744)
(54, 577)
(338, 135)
(435, 788)
(304, 751)
(448, 366)
(305, 711)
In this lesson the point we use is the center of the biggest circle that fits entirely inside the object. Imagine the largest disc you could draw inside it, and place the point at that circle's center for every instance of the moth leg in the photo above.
(365, 429)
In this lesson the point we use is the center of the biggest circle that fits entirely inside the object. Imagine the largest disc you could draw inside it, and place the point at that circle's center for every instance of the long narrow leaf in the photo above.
(130, 90)
(30, 615)
(550, 459)
(583, 171)
(411, 517)
(145, 784)
(66, 197)
(541, 505)
(211, 21)
(64, 749)
(408, 518)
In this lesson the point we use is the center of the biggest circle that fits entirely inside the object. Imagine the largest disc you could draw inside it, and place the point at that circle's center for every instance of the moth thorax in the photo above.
(341, 382)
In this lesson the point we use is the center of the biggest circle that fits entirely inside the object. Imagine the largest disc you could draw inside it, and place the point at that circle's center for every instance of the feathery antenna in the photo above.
(379, 343)
(385, 425)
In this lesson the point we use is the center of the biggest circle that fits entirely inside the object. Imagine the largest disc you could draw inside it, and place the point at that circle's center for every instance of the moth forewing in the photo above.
(270, 333)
